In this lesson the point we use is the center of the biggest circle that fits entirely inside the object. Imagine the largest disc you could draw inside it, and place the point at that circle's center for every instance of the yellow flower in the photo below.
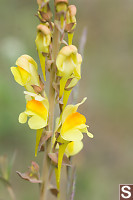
(43, 41)
(68, 64)
(73, 124)
(37, 109)
(26, 72)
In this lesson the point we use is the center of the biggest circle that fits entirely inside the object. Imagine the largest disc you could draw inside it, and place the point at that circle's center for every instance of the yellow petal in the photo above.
(37, 122)
(68, 50)
(59, 61)
(24, 75)
(42, 62)
(85, 130)
(69, 65)
(77, 73)
(72, 121)
(73, 148)
(38, 108)
(42, 42)
(25, 62)
(38, 137)
(37, 97)
(72, 135)
(22, 118)
(90, 134)
(17, 76)
(34, 76)
(81, 127)
(71, 109)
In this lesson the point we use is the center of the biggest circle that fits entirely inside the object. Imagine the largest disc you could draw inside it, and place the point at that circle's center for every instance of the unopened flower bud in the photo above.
(71, 13)
(61, 8)
(61, 5)
(43, 41)
(71, 20)
(68, 64)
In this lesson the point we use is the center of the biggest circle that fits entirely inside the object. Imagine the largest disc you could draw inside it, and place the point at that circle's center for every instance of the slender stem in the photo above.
(70, 183)
(68, 190)
(11, 192)
(48, 145)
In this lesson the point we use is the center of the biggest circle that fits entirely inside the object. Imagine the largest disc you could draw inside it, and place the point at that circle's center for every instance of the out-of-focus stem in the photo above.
(68, 190)
(70, 183)
(11, 192)
(48, 145)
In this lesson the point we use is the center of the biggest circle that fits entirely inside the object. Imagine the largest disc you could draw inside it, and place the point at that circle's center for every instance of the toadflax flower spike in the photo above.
(25, 73)
(37, 108)
(68, 65)
(43, 41)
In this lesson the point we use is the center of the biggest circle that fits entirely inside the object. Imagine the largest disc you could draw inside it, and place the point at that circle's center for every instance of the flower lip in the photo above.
(37, 107)
(73, 148)
(72, 121)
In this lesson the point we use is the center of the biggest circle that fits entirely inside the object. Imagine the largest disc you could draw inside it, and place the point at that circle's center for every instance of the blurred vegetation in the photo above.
(107, 81)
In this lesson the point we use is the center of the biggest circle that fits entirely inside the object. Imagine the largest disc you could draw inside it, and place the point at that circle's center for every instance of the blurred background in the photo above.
(107, 80)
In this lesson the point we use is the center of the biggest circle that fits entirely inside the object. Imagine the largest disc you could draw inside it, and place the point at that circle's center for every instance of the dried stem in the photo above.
(46, 162)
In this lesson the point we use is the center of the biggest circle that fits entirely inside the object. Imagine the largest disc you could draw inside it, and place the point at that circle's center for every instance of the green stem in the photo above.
(48, 145)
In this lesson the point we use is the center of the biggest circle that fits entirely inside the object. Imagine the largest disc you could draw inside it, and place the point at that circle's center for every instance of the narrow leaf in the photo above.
(62, 148)
(42, 62)
(38, 137)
